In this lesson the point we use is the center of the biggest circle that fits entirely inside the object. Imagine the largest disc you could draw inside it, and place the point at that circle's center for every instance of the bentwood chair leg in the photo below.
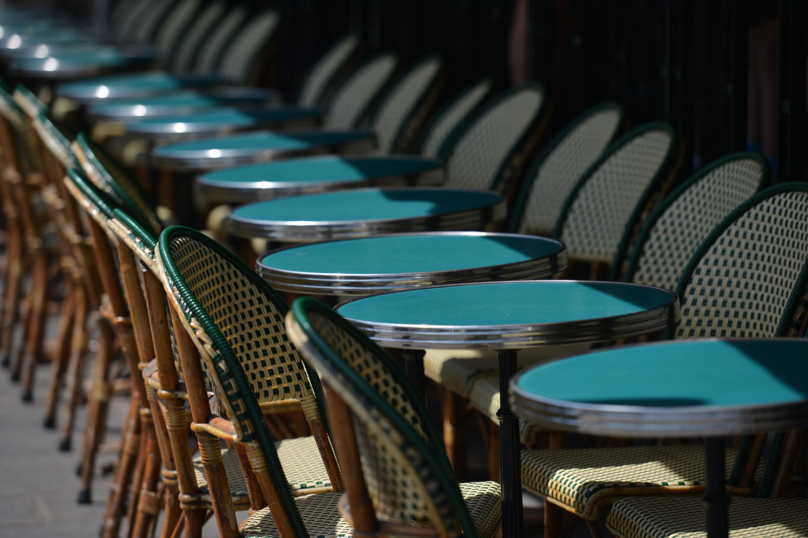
(455, 415)
(11, 309)
(97, 411)
(127, 459)
(148, 505)
(493, 452)
(18, 354)
(77, 363)
(61, 356)
(13, 289)
(36, 332)
(137, 476)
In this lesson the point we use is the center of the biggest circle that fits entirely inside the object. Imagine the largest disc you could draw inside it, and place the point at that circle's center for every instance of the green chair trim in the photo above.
(262, 433)
(433, 455)
(60, 136)
(136, 228)
(94, 196)
(451, 141)
(664, 170)
(670, 200)
(446, 107)
(116, 190)
(32, 105)
(549, 148)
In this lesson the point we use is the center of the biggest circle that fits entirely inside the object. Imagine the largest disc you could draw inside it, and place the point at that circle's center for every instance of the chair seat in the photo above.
(654, 517)
(301, 461)
(582, 480)
(320, 514)
(458, 370)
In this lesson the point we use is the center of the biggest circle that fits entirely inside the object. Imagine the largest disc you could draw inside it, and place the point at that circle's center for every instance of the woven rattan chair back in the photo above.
(353, 98)
(192, 40)
(239, 62)
(746, 279)
(150, 22)
(560, 166)
(408, 479)
(171, 30)
(612, 196)
(327, 72)
(128, 27)
(677, 227)
(404, 108)
(222, 32)
(111, 177)
(490, 147)
(451, 115)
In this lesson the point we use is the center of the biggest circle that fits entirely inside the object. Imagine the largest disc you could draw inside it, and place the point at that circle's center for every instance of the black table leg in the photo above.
(716, 497)
(414, 366)
(510, 467)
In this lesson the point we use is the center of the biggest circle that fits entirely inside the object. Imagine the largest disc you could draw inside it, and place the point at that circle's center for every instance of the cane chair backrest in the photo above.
(28, 101)
(216, 41)
(108, 175)
(149, 24)
(408, 479)
(192, 40)
(130, 26)
(326, 71)
(677, 227)
(489, 148)
(451, 115)
(612, 196)
(353, 98)
(240, 59)
(403, 109)
(560, 166)
(746, 278)
(171, 30)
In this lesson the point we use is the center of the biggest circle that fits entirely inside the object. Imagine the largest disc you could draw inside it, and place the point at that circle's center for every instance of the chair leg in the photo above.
(97, 413)
(61, 356)
(455, 416)
(76, 366)
(594, 530)
(553, 520)
(493, 452)
(17, 355)
(13, 289)
(36, 333)
(127, 459)
(148, 506)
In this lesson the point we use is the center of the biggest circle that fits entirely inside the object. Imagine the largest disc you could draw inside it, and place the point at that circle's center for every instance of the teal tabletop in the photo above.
(687, 388)
(364, 212)
(180, 103)
(221, 119)
(130, 86)
(513, 314)
(265, 181)
(405, 261)
(256, 146)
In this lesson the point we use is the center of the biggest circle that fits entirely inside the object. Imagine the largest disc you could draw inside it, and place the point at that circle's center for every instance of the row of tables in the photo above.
(450, 289)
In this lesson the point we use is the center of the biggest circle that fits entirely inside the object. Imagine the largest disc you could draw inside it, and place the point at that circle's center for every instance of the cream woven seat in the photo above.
(583, 480)
(323, 520)
(668, 518)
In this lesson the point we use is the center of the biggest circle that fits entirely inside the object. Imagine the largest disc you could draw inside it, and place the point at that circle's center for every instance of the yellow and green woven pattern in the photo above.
(587, 478)
(653, 517)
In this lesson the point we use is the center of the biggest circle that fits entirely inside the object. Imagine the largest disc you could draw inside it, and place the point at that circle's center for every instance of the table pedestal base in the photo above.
(510, 464)
(716, 497)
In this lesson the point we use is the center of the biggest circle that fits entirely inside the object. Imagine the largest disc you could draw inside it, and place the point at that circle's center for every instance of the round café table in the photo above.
(221, 121)
(362, 212)
(371, 265)
(699, 388)
(257, 146)
(252, 183)
(66, 64)
(130, 86)
(507, 317)
(182, 102)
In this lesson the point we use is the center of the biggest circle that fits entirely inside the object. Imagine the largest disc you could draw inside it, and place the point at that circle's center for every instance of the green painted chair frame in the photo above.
(398, 478)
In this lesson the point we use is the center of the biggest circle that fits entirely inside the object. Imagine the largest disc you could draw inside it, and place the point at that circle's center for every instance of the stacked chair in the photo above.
(238, 402)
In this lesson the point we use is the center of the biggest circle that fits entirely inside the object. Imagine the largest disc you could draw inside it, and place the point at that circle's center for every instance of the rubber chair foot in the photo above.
(65, 445)
(79, 469)
(27, 397)
(49, 423)
(15, 377)
(84, 497)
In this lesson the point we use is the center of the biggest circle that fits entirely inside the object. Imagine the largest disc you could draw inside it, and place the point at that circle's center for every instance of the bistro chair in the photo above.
(244, 344)
(397, 475)
(676, 228)
(744, 281)
(122, 287)
(560, 166)
(616, 193)
(489, 149)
